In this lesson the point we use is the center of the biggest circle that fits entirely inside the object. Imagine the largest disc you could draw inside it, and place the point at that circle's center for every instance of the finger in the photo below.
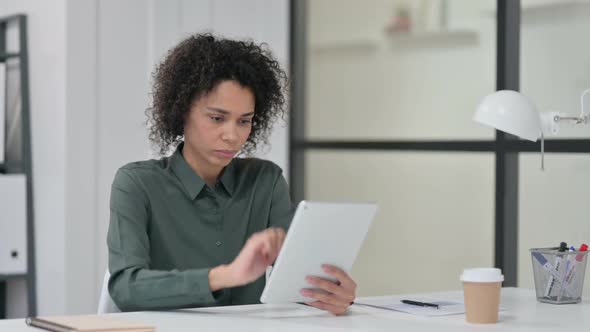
(265, 246)
(280, 232)
(336, 310)
(269, 235)
(261, 244)
(275, 239)
(280, 236)
(327, 298)
(273, 245)
(329, 286)
(343, 277)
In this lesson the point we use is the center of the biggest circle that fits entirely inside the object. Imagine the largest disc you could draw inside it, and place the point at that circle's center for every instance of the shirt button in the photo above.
(218, 243)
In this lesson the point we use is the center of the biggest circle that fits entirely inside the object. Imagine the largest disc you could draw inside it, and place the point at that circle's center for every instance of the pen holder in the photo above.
(559, 276)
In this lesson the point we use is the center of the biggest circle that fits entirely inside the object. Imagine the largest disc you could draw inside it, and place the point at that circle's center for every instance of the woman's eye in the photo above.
(246, 121)
(216, 118)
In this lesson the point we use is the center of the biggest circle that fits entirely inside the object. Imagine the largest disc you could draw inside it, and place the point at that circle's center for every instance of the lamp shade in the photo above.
(511, 112)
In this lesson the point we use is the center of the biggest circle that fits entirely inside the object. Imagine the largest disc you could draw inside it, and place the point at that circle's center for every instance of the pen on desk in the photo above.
(421, 304)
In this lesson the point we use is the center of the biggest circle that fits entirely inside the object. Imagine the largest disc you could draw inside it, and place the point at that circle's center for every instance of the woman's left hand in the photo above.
(334, 297)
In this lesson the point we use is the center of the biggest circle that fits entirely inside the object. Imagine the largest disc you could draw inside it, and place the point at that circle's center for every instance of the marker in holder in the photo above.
(555, 282)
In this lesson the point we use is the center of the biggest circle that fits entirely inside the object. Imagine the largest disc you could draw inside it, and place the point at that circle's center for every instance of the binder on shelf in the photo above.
(13, 224)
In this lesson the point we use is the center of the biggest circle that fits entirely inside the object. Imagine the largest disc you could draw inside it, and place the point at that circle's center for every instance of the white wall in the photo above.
(46, 41)
(81, 156)
(123, 88)
(91, 63)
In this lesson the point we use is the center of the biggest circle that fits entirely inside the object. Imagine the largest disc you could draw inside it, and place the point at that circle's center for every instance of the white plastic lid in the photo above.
(482, 275)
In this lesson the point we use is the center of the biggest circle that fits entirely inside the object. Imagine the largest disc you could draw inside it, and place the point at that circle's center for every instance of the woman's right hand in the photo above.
(258, 253)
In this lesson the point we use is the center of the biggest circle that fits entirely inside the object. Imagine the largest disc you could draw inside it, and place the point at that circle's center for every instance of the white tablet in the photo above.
(320, 233)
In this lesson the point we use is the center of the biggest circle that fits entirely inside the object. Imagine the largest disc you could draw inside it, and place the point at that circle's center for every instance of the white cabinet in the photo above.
(13, 224)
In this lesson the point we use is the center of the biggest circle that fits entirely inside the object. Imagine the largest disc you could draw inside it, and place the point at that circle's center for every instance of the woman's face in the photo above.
(219, 123)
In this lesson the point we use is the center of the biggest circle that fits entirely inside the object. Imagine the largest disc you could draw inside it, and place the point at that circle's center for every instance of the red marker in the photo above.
(569, 275)
(583, 247)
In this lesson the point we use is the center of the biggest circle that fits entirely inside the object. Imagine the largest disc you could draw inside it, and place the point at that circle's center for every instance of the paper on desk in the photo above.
(445, 308)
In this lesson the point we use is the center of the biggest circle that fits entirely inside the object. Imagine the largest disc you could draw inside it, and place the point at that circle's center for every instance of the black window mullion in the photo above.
(298, 60)
(506, 198)
(506, 146)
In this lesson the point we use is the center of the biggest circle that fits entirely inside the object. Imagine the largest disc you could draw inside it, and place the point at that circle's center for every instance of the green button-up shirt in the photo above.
(168, 228)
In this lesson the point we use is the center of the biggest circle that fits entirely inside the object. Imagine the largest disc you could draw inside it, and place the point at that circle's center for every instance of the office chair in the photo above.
(105, 303)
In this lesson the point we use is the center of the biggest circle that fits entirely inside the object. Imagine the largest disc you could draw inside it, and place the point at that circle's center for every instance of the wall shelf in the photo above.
(442, 38)
(6, 56)
(435, 38)
(4, 277)
(362, 45)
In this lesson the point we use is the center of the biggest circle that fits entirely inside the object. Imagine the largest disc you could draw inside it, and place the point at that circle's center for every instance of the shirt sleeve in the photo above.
(281, 209)
(132, 284)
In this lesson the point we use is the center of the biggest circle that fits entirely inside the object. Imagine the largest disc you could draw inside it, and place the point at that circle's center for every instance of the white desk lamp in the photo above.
(513, 113)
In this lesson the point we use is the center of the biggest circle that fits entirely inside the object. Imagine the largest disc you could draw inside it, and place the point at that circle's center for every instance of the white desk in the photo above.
(523, 313)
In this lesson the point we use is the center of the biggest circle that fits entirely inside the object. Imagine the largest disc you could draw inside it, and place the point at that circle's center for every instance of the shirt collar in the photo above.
(192, 182)
(228, 177)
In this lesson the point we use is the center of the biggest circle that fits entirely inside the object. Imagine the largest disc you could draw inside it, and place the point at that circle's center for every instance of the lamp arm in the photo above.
(583, 118)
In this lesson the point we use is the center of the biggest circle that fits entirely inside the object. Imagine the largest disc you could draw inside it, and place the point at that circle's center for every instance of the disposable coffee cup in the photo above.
(481, 293)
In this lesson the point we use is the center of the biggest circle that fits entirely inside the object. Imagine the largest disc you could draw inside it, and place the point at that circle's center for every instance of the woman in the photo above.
(199, 228)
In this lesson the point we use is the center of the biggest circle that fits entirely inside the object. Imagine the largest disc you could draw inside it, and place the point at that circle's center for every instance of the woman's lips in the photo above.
(226, 153)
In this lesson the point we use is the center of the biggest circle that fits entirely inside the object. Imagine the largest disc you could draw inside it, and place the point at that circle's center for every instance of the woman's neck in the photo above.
(209, 173)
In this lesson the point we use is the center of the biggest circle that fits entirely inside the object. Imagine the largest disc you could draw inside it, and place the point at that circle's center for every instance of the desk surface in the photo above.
(523, 313)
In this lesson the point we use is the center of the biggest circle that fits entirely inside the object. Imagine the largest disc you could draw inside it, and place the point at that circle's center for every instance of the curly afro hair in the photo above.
(195, 67)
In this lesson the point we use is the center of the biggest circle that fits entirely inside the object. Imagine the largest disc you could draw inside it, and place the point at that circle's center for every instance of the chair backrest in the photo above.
(105, 303)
